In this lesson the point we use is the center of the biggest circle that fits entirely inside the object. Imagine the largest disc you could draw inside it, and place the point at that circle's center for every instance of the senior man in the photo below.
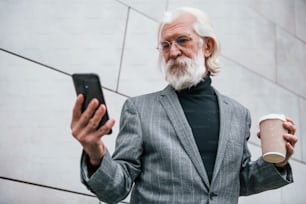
(184, 144)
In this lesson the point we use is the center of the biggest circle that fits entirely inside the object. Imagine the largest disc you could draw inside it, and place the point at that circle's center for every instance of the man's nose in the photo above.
(174, 51)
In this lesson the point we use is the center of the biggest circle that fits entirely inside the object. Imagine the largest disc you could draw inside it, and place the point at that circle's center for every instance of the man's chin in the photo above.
(182, 86)
(179, 84)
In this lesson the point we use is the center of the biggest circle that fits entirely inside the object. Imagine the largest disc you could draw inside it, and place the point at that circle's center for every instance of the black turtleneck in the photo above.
(201, 109)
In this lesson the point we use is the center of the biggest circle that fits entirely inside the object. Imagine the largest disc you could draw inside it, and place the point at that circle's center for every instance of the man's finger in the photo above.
(89, 112)
(106, 127)
(290, 127)
(76, 111)
(290, 120)
(98, 115)
(292, 139)
(290, 150)
(258, 134)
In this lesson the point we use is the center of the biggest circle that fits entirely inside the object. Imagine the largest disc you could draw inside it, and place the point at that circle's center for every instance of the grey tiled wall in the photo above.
(43, 42)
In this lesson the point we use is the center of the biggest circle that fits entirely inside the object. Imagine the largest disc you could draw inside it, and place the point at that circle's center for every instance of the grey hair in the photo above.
(203, 27)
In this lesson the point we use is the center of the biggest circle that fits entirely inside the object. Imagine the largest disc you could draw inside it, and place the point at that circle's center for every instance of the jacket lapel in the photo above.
(225, 125)
(172, 106)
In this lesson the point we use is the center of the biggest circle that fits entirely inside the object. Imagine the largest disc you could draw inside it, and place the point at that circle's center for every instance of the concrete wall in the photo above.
(42, 42)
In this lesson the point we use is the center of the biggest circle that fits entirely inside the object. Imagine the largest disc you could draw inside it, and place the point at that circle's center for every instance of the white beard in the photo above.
(184, 72)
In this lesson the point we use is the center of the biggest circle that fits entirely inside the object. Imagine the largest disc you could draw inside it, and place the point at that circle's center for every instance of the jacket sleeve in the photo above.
(114, 178)
(258, 176)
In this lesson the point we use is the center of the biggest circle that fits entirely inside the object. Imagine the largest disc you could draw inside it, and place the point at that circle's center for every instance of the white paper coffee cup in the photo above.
(273, 144)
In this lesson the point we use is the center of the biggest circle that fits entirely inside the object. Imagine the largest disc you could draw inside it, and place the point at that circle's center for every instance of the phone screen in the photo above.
(89, 85)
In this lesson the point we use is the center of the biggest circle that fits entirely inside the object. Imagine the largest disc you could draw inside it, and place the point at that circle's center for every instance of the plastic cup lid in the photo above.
(272, 116)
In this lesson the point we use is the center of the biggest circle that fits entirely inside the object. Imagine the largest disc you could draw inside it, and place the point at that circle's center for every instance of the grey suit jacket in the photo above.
(156, 156)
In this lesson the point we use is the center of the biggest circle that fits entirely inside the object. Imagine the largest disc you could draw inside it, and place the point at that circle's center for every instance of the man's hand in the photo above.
(84, 128)
(291, 140)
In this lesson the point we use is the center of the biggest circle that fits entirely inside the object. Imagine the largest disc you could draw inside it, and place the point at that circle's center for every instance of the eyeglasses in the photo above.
(182, 41)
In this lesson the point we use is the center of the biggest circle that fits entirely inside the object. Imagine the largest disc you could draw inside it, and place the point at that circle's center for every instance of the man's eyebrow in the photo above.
(173, 37)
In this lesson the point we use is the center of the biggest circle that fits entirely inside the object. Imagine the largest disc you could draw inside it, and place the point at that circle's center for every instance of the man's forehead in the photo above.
(183, 22)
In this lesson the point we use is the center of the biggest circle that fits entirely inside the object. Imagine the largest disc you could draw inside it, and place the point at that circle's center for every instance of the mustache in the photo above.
(180, 63)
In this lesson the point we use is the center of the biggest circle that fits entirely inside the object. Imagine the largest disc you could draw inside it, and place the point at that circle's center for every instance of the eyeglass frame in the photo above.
(175, 41)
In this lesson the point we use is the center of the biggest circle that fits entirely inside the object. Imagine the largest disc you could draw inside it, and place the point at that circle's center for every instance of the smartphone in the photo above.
(89, 85)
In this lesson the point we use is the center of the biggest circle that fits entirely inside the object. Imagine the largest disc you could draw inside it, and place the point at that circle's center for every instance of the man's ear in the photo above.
(208, 47)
